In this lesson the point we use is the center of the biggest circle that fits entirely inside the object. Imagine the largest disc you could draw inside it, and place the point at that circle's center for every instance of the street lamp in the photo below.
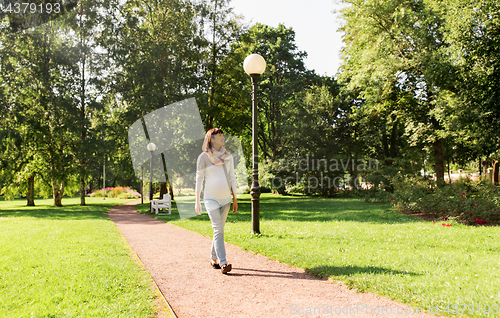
(151, 147)
(254, 66)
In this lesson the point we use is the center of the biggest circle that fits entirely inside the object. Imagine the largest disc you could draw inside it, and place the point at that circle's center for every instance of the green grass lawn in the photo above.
(68, 262)
(370, 248)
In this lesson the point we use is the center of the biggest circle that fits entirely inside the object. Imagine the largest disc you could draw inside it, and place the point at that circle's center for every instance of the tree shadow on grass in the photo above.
(311, 209)
(321, 272)
(329, 271)
(66, 212)
(304, 209)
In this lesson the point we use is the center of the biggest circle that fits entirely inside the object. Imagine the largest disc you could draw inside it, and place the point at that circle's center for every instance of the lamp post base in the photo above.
(255, 193)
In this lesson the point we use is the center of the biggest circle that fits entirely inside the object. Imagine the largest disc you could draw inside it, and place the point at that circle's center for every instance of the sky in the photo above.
(313, 21)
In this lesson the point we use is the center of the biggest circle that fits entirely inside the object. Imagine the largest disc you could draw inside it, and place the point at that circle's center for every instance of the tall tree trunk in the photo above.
(82, 182)
(449, 174)
(385, 147)
(353, 174)
(57, 192)
(170, 191)
(423, 163)
(31, 191)
(438, 145)
(439, 160)
(394, 138)
(82, 117)
(163, 189)
(495, 172)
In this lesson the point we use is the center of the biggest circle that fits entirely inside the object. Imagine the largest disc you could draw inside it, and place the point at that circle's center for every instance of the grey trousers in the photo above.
(217, 211)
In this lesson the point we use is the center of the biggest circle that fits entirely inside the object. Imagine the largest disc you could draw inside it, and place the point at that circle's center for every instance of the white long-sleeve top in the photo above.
(216, 185)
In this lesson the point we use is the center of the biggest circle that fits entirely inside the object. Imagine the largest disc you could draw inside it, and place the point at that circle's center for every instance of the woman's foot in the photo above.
(215, 264)
(226, 268)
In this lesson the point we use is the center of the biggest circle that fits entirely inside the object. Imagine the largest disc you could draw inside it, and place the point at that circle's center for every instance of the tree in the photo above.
(85, 21)
(223, 28)
(473, 29)
(40, 78)
(156, 52)
(285, 76)
(396, 49)
(320, 130)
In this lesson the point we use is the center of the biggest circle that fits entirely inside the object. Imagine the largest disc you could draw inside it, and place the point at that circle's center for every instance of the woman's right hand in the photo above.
(197, 208)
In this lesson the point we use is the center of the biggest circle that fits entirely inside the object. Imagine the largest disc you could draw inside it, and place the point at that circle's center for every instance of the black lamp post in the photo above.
(151, 147)
(254, 66)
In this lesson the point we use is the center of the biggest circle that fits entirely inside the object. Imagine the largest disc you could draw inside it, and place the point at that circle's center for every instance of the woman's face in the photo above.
(218, 140)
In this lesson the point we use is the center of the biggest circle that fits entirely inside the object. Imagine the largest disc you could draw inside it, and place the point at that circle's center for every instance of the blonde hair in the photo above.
(207, 143)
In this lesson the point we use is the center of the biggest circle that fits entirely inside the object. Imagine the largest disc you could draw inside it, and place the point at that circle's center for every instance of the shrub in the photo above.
(117, 192)
(96, 193)
(244, 189)
(466, 201)
(129, 195)
(296, 188)
(265, 190)
(375, 195)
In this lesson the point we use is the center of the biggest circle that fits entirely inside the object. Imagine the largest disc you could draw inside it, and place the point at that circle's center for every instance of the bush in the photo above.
(244, 189)
(129, 195)
(96, 193)
(265, 190)
(117, 192)
(375, 195)
(297, 188)
(465, 201)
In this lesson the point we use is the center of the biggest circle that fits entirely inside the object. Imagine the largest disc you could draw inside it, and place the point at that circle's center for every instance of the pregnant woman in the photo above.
(216, 166)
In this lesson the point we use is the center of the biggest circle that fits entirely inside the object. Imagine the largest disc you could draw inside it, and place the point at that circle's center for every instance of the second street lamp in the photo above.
(254, 66)
(151, 147)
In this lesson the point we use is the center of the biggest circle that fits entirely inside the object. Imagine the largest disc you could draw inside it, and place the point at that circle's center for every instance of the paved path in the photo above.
(256, 287)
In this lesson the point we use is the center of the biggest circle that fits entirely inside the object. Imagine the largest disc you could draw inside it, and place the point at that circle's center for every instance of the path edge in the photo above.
(138, 259)
(172, 312)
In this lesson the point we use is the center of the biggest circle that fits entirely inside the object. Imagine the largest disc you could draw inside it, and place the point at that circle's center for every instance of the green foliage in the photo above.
(11, 192)
(397, 67)
(375, 195)
(127, 195)
(43, 190)
(222, 74)
(97, 194)
(285, 76)
(463, 201)
(473, 31)
(269, 176)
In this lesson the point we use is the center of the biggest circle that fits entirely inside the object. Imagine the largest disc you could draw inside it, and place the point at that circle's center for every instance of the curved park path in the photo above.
(256, 287)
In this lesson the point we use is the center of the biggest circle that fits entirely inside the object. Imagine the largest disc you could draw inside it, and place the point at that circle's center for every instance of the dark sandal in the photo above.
(215, 265)
(226, 268)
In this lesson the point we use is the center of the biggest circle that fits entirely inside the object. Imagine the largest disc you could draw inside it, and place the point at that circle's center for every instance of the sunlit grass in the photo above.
(369, 248)
(69, 261)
